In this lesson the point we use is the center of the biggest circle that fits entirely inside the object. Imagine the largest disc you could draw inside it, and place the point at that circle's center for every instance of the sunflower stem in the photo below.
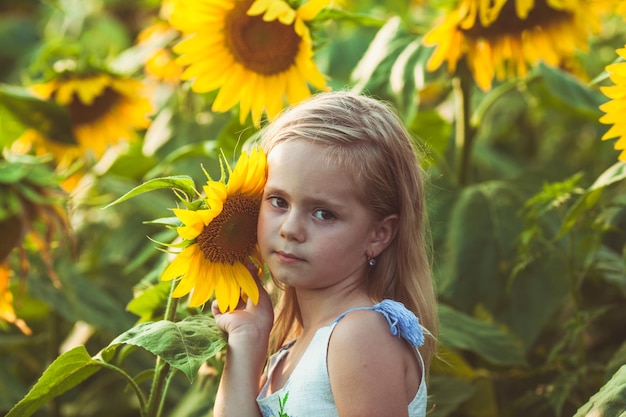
(129, 379)
(465, 133)
(162, 368)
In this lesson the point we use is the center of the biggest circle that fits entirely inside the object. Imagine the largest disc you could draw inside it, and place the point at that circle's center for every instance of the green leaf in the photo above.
(373, 70)
(615, 173)
(402, 82)
(67, 371)
(337, 14)
(408, 75)
(49, 118)
(10, 128)
(183, 183)
(12, 173)
(446, 394)
(433, 131)
(610, 401)
(480, 241)
(150, 300)
(185, 345)
(612, 267)
(204, 149)
(571, 92)
(487, 340)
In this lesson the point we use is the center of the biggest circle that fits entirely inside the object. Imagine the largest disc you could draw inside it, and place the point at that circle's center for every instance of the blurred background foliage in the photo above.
(527, 203)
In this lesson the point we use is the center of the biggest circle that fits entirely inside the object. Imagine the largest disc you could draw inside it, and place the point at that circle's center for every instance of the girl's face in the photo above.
(313, 231)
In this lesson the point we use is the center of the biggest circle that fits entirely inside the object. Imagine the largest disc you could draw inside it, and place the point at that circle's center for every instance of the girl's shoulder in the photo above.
(399, 321)
(369, 359)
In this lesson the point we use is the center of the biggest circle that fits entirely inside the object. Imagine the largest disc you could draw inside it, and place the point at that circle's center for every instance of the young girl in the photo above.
(341, 229)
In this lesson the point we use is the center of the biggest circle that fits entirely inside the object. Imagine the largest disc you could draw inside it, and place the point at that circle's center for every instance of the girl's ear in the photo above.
(383, 234)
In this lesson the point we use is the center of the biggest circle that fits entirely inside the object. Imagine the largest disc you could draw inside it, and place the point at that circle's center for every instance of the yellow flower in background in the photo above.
(104, 109)
(222, 238)
(257, 53)
(7, 312)
(621, 8)
(616, 108)
(161, 64)
(502, 39)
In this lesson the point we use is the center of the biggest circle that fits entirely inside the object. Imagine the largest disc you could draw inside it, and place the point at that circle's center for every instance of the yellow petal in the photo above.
(311, 8)
(180, 264)
(222, 290)
(246, 281)
(216, 193)
(205, 286)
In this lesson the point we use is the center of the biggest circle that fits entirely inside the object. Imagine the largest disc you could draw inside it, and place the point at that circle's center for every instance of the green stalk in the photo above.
(494, 95)
(465, 133)
(574, 290)
(162, 368)
(132, 383)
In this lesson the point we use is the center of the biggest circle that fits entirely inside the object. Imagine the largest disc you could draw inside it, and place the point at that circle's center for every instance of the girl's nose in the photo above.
(291, 227)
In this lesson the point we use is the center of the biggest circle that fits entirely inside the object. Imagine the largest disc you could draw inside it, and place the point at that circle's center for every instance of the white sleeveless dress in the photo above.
(308, 388)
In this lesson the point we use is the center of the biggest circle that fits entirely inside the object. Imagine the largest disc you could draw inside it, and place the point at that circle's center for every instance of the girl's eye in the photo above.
(324, 215)
(277, 202)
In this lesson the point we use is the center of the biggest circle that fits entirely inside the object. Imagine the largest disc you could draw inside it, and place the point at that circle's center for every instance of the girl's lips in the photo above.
(287, 257)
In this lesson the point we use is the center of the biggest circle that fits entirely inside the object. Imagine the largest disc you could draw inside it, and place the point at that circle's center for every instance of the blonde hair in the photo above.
(367, 138)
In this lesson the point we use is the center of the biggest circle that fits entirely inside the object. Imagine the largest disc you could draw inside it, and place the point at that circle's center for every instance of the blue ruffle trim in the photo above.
(401, 320)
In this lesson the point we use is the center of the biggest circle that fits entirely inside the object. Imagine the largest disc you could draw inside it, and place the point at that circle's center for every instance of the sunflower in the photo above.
(616, 108)
(503, 38)
(104, 109)
(257, 53)
(221, 238)
(161, 64)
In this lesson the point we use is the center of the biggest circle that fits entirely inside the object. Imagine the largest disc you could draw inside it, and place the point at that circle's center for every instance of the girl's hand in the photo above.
(248, 319)
(248, 328)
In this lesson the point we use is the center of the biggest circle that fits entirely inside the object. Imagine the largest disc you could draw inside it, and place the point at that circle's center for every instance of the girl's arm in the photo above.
(248, 335)
(372, 373)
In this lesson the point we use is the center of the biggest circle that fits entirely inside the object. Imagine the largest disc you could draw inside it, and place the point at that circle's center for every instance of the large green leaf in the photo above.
(487, 340)
(52, 120)
(610, 401)
(185, 345)
(183, 183)
(480, 245)
(67, 371)
(536, 294)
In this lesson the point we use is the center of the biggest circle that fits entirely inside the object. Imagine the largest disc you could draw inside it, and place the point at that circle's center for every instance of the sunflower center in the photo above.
(82, 114)
(231, 236)
(509, 23)
(266, 48)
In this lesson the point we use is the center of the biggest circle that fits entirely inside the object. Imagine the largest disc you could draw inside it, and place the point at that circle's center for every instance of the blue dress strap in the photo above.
(401, 320)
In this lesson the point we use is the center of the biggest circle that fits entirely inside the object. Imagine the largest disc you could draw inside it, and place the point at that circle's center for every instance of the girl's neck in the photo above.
(319, 309)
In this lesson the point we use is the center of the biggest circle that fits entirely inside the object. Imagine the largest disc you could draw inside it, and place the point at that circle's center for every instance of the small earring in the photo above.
(372, 261)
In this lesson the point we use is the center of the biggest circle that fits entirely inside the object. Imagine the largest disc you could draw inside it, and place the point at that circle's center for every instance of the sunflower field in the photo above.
(115, 116)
